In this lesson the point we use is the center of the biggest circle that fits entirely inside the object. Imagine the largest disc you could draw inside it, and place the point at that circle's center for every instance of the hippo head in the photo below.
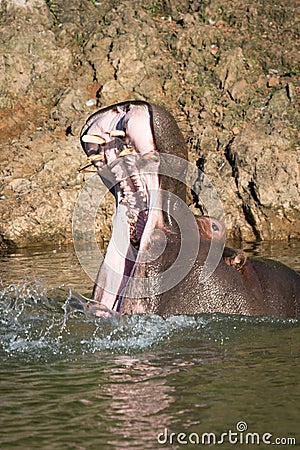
(125, 143)
(130, 145)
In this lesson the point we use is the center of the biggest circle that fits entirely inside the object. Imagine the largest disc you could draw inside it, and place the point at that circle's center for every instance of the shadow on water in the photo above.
(71, 380)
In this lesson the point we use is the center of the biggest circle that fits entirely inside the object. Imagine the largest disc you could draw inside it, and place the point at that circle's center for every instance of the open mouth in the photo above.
(119, 143)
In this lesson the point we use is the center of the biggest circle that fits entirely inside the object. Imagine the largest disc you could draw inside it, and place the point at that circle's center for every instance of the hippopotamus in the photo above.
(273, 282)
(161, 259)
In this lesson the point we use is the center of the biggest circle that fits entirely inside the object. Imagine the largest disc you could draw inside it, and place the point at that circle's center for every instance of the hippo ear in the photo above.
(237, 260)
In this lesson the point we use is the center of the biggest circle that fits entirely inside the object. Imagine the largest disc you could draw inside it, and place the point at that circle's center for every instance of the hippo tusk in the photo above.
(93, 139)
(117, 133)
(90, 160)
(127, 151)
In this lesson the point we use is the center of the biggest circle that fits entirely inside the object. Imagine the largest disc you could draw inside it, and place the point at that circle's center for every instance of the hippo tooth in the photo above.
(89, 162)
(126, 151)
(98, 157)
(117, 133)
(93, 139)
(130, 214)
(87, 168)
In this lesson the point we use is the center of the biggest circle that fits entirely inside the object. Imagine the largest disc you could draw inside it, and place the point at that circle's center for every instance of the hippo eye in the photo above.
(215, 227)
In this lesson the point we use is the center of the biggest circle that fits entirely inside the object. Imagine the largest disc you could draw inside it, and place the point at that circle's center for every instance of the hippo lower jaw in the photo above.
(138, 214)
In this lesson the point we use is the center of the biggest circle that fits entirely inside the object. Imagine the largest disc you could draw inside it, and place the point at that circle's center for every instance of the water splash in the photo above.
(39, 323)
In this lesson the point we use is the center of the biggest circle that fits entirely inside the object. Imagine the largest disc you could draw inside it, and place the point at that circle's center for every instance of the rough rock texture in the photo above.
(228, 71)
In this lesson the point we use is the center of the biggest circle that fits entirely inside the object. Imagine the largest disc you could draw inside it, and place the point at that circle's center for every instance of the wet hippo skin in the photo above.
(126, 142)
(253, 287)
(274, 282)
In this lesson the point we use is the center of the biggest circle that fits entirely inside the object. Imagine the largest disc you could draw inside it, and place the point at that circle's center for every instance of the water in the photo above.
(69, 381)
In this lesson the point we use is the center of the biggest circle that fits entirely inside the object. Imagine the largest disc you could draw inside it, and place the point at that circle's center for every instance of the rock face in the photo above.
(227, 71)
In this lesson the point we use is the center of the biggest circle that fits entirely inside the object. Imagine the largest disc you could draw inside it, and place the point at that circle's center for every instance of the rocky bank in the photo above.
(228, 71)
